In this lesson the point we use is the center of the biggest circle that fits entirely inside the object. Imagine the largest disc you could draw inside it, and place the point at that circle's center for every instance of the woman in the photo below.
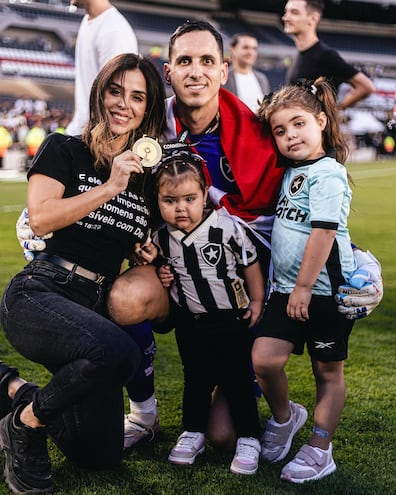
(89, 191)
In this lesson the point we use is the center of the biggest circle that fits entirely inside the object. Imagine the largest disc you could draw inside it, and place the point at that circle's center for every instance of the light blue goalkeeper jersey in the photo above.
(314, 194)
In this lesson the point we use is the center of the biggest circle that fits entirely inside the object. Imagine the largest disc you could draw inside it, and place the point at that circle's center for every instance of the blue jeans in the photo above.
(59, 321)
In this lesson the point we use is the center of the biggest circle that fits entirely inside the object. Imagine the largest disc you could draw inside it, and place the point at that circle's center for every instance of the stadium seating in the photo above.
(154, 21)
(33, 63)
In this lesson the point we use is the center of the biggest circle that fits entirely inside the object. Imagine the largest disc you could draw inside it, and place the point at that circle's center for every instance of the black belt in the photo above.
(72, 268)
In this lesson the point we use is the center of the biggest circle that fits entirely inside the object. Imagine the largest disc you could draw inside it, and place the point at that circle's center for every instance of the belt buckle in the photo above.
(100, 279)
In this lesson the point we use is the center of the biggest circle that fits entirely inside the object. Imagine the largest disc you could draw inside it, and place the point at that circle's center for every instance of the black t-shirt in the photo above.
(320, 60)
(104, 238)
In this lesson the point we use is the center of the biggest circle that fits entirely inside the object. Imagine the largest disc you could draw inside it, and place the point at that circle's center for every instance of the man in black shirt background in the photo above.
(315, 58)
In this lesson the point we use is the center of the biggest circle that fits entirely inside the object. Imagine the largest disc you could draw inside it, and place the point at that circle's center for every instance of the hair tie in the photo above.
(268, 98)
(179, 157)
(307, 85)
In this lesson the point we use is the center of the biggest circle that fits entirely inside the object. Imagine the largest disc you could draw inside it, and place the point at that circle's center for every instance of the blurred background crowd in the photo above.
(37, 65)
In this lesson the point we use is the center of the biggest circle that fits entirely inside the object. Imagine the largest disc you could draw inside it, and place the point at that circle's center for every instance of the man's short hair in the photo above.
(235, 39)
(315, 5)
(189, 27)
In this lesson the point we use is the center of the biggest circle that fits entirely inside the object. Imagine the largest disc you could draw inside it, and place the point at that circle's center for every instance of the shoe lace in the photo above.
(134, 428)
(187, 440)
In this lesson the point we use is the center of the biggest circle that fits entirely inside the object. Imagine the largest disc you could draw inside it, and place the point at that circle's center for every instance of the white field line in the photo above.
(11, 208)
(356, 174)
(374, 172)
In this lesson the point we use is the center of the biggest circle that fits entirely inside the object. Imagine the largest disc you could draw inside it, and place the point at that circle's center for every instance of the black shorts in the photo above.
(326, 332)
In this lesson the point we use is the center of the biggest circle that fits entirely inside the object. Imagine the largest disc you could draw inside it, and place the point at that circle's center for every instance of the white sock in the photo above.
(274, 422)
(143, 412)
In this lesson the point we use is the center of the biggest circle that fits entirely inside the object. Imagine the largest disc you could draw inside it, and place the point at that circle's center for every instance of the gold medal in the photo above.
(149, 151)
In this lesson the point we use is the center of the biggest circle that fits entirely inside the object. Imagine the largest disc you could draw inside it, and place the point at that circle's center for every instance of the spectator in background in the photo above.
(104, 32)
(243, 80)
(5, 108)
(315, 58)
(23, 105)
(5, 143)
(34, 137)
(40, 108)
(21, 130)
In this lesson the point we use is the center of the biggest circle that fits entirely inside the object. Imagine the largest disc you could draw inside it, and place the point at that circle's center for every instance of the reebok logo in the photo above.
(324, 345)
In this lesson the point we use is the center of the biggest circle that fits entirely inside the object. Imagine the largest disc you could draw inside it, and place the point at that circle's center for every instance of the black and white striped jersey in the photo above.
(207, 263)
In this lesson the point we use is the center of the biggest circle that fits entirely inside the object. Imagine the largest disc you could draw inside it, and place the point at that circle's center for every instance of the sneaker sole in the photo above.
(301, 422)
(328, 470)
(134, 441)
(184, 460)
(238, 470)
(17, 490)
(145, 437)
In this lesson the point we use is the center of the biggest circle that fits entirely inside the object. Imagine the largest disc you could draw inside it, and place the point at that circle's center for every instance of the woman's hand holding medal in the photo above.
(145, 153)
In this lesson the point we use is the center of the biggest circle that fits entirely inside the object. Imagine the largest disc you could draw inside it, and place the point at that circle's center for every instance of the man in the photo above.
(314, 58)
(248, 84)
(212, 118)
(103, 33)
(243, 172)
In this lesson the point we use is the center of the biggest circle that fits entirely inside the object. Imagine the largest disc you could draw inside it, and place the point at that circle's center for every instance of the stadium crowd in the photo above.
(24, 123)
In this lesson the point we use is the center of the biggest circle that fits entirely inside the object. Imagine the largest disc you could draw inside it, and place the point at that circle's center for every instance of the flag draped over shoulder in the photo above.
(250, 153)
(253, 159)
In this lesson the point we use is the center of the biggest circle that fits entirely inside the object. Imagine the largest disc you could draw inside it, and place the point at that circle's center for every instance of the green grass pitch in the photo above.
(364, 446)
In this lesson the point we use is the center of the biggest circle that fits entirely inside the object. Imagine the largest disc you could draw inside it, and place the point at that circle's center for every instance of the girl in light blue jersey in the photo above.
(312, 256)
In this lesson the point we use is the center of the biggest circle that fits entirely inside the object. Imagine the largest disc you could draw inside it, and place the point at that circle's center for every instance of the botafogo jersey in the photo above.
(207, 263)
(314, 194)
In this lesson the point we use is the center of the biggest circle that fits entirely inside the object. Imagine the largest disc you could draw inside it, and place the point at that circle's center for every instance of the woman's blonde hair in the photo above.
(97, 134)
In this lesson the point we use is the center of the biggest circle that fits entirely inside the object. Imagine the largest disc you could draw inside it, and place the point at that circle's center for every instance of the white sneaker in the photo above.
(310, 463)
(246, 456)
(277, 438)
(134, 432)
(188, 446)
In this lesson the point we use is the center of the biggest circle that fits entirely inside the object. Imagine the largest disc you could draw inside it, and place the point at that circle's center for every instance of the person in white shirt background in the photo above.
(244, 81)
(103, 33)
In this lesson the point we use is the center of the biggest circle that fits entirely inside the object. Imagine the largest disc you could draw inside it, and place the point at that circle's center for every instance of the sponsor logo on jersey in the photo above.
(285, 209)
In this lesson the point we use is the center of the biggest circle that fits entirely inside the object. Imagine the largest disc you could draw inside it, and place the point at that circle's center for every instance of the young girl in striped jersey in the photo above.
(217, 290)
